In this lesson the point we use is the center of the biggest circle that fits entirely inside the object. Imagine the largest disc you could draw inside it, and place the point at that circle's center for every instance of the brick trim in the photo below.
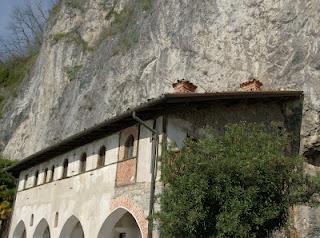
(127, 171)
(135, 211)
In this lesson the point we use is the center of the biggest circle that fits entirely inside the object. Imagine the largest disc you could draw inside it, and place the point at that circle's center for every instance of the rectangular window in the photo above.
(25, 182)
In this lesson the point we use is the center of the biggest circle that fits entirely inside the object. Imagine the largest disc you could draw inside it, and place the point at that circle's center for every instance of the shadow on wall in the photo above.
(42, 230)
(72, 229)
(20, 231)
(120, 223)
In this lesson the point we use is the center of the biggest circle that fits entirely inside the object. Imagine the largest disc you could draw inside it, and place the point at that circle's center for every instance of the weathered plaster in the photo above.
(92, 194)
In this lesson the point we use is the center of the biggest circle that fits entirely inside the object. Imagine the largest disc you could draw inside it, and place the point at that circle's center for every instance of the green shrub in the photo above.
(4, 73)
(7, 189)
(73, 72)
(240, 184)
(16, 70)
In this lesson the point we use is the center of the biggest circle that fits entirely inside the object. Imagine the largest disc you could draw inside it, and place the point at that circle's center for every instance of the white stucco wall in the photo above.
(86, 196)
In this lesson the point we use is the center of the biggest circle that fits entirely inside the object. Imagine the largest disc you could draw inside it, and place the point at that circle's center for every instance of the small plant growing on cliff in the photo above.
(73, 36)
(73, 71)
(145, 4)
(239, 184)
(58, 36)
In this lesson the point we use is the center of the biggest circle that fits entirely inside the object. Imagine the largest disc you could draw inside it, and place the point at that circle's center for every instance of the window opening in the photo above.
(83, 163)
(129, 147)
(102, 157)
(65, 168)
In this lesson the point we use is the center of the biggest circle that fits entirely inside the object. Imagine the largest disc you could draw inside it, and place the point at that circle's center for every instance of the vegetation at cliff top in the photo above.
(240, 184)
(19, 50)
(12, 72)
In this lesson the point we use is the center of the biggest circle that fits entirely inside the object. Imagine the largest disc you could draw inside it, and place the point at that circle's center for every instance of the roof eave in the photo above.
(145, 107)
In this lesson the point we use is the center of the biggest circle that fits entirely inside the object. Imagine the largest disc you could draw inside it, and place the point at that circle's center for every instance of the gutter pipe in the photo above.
(154, 163)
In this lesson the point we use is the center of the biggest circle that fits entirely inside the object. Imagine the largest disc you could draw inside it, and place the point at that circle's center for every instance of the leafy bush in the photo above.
(239, 184)
(4, 73)
(16, 69)
(7, 189)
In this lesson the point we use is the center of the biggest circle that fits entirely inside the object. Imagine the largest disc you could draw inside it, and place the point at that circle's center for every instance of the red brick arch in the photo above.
(135, 211)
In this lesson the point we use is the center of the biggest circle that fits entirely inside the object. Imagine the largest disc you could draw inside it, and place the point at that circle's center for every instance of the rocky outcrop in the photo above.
(100, 57)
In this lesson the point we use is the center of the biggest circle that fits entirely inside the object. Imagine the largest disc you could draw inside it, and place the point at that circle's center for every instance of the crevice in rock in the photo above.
(313, 156)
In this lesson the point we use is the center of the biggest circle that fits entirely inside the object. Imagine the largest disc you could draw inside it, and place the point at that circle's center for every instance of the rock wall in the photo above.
(101, 57)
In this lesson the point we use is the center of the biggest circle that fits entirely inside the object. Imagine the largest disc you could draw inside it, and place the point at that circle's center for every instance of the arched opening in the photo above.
(102, 157)
(42, 230)
(120, 223)
(83, 163)
(72, 229)
(20, 231)
(127, 166)
(129, 147)
(65, 168)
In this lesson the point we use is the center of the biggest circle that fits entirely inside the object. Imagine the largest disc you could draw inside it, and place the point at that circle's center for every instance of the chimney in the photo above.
(251, 85)
(184, 86)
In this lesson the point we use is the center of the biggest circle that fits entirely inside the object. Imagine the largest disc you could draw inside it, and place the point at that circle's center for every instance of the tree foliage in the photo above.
(7, 189)
(20, 47)
(239, 184)
(25, 29)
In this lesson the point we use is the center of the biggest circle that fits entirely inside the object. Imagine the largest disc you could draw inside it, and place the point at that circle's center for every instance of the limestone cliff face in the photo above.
(100, 57)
